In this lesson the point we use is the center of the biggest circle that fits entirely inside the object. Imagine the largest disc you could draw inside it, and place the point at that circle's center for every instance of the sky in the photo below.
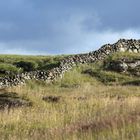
(52, 27)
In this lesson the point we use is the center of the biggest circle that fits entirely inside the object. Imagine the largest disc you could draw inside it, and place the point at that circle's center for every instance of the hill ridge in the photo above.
(122, 45)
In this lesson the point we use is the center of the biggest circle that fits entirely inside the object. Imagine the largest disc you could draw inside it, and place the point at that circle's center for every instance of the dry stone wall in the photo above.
(68, 63)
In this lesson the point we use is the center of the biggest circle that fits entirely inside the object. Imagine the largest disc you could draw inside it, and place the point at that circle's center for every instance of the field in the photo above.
(95, 105)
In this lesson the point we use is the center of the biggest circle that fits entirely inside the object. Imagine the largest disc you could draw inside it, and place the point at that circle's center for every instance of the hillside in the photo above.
(96, 96)
(22, 70)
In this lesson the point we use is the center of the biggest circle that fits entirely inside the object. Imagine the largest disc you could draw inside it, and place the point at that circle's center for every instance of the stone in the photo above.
(125, 65)
(135, 51)
(118, 66)
(122, 49)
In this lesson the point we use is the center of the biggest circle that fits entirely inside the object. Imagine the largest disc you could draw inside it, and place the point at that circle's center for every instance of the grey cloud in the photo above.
(65, 26)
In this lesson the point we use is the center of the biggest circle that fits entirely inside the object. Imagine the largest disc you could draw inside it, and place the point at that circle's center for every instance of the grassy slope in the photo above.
(8, 62)
(89, 108)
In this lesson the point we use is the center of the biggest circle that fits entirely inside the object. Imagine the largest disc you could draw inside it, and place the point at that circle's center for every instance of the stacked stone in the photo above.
(131, 45)
(68, 63)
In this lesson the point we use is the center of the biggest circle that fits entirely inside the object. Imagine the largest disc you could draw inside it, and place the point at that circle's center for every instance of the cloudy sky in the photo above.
(65, 26)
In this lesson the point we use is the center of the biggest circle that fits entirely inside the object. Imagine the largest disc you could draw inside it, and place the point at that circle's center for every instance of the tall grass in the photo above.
(88, 111)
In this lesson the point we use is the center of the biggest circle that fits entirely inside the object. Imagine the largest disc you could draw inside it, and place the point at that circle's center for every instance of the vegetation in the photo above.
(88, 103)
(8, 69)
(121, 55)
(29, 63)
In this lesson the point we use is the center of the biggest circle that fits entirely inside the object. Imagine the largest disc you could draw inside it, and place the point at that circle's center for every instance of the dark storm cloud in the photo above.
(65, 26)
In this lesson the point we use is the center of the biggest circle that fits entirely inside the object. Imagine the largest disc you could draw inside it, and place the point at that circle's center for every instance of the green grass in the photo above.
(15, 58)
(121, 55)
(42, 62)
(109, 77)
(9, 68)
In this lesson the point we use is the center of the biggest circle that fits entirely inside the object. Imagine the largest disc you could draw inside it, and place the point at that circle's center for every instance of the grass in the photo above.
(91, 106)
(109, 77)
(121, 55)
(42, 62)
(15, 58)
(91, 110)
(8, 68)
(104, 111)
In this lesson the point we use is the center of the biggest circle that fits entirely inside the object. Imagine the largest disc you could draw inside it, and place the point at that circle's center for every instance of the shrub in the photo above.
(8, 68)
(27, 65)
(49, 66)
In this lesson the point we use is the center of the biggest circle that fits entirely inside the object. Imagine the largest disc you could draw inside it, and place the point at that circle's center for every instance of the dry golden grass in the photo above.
(90, 111)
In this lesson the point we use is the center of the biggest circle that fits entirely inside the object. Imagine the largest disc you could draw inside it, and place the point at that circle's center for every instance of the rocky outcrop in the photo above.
(118, 66)
(122, 45)
(125, 65)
